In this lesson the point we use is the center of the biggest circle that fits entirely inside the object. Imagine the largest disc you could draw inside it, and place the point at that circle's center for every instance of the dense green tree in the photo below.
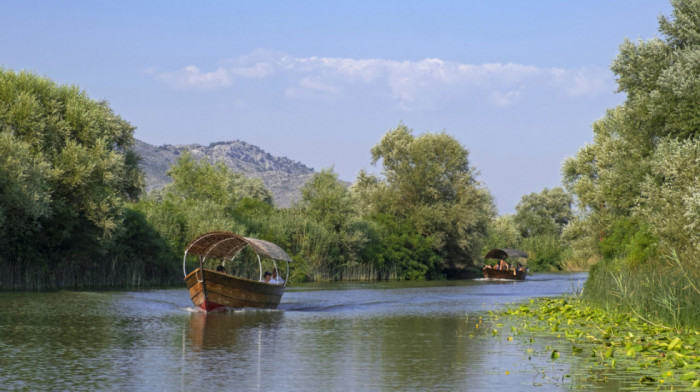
(403, 250)
(503, 232)
(66, 168)
(636, 183)
(328, 200)
(25, 194)
(621, 175)
(669, 202)
(201, 180)
(544, 213)
(429, 185)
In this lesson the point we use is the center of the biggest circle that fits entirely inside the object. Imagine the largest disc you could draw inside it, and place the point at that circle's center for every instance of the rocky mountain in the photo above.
(282, 176)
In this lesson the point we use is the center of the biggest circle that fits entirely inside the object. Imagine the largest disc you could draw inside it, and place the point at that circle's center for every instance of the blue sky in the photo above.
(518, 83)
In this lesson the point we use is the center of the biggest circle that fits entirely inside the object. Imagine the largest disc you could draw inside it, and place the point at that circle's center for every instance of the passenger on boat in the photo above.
(267, 276)
(220, 269)
(276, 279)
(520, 267)
(487, 266)
(503, 265)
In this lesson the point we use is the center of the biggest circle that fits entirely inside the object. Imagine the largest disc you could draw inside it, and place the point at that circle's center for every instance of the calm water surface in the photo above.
(331, 337)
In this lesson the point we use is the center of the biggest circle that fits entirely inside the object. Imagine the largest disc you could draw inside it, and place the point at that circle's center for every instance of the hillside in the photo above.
(282, 176)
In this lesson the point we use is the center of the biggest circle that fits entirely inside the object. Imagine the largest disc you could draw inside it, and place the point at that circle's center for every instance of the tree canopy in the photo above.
(66, 170)
(429, 185)
(636, 154)
(544, 213)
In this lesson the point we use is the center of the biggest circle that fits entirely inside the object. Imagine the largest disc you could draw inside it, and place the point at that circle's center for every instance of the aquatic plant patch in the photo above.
(611, 343)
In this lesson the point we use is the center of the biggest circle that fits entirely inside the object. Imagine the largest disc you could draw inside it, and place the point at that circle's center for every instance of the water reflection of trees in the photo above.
(401, 353)
(55, 341)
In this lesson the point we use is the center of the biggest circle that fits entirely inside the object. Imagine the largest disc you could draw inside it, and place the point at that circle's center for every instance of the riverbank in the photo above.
(656, 355)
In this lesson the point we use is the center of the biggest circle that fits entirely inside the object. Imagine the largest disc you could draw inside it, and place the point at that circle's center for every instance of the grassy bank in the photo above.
(664, 291)
(613, 342)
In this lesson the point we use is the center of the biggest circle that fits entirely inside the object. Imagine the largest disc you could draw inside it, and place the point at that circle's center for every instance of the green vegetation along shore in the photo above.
(657, 357)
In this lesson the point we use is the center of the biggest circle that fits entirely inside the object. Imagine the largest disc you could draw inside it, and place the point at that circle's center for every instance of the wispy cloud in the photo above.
(406, 82)
(191, 76)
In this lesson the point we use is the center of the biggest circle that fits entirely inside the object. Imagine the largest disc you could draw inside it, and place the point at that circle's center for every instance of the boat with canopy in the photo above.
(211, 289)
(505, 273)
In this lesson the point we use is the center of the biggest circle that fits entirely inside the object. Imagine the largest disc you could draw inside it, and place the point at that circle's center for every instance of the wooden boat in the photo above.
(509, 274)
(210, 289)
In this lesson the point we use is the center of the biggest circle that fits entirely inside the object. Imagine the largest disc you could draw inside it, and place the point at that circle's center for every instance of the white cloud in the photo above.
(409, 83)
(589, 82)
(507, 98)
(191, 76)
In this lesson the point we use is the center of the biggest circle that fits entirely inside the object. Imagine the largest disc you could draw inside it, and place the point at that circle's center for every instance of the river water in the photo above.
(324, 337)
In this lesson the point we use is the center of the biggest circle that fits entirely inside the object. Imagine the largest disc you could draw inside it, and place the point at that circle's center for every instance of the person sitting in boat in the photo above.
(487, 266)
(503, 265)
(520, 267)
(267, 277)
(220, 269)
(276, 279)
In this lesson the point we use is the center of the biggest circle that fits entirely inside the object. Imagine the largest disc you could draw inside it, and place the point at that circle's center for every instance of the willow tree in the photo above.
(428, 185)
(637, 182)
(544, 213)
(66, 169)
(618, 178)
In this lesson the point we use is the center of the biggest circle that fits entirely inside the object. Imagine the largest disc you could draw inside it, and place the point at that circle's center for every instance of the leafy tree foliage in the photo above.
(502, 233)
(545, 252)
(669, 202)
(428, 185)
(200, 180)
(202, 197)
(546, 213)
(25, 194)
(66, 170)
(631, 171)
(326, 200)
(637, 182)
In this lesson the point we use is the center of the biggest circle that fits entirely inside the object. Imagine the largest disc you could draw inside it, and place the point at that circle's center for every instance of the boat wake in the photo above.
(226, 309)
(499, 280)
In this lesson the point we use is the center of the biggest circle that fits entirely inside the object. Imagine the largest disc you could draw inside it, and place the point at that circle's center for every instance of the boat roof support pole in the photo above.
(184, 260)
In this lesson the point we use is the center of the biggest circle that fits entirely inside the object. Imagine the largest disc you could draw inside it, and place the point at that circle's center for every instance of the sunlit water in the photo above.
(331, 337)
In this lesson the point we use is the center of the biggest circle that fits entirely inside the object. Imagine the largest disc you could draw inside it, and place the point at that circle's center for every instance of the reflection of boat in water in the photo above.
(511, 273)
(213, 331)
(211, 289)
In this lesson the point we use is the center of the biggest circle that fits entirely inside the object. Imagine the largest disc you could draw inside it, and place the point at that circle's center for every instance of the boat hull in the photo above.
(491, 273)
(214, 290)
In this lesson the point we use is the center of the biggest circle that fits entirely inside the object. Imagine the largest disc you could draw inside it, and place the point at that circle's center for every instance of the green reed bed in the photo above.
(656, 356)
(664, 291)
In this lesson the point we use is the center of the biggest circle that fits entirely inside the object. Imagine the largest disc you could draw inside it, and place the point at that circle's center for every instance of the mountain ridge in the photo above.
(282, 176)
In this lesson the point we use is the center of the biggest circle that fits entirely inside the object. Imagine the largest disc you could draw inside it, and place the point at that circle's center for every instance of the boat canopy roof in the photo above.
(225, 245)
(504, 253)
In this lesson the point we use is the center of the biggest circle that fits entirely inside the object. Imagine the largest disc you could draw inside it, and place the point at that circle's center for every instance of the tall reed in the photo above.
(661, 291)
